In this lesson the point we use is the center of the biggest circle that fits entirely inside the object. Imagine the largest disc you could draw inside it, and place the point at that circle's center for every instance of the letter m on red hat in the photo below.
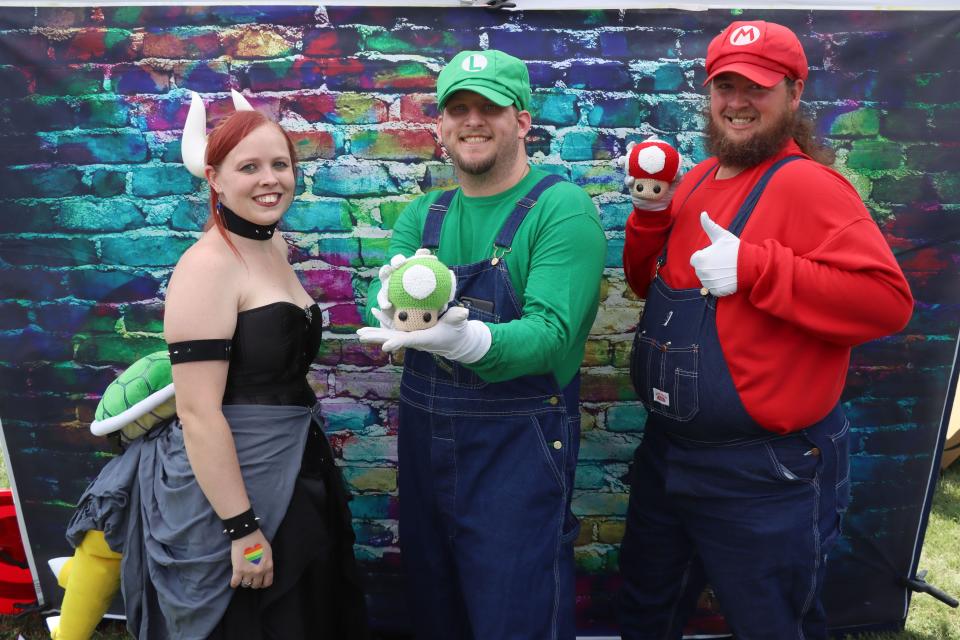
(764, 52)
(742, 36)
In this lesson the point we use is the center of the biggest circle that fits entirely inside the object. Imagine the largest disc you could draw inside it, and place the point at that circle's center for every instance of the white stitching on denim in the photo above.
(676, 294)
(692, 413)
(449, 412)
(493, 401)
(836, 450)
(661, 379)
(816, 550)
(545, 448)
(456, 481)
(782, 470)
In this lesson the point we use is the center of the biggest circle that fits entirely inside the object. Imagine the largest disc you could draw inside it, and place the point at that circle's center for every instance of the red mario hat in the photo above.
(653, 159)
(765, 52)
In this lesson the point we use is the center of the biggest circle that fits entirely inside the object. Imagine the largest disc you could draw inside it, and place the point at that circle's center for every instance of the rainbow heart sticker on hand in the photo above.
(254, 554)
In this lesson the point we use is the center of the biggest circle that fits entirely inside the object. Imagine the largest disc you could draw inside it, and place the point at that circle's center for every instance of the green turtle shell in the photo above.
(140, 398)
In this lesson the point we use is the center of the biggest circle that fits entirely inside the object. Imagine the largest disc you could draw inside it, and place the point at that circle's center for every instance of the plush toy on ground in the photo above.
(420, 289)
(651, 168)
(140, 398)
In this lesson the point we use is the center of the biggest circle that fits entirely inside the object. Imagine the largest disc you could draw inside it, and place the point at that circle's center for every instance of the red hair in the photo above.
(225, 136)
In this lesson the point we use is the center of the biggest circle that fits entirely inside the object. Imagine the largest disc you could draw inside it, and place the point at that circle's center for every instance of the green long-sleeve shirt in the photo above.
(555, 266)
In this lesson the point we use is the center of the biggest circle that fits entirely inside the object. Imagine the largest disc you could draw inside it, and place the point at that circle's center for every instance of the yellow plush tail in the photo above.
(91, 578)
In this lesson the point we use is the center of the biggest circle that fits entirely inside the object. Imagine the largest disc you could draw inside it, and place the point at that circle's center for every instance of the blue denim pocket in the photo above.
(841, 449)
(794, 458)
(665, 376)
(553, 436)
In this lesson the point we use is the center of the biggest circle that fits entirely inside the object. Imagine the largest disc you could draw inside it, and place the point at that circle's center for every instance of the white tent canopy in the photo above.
(884, 5)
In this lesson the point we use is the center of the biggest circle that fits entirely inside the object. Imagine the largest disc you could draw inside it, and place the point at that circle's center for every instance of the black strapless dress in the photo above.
(175, 570)
(316, 593)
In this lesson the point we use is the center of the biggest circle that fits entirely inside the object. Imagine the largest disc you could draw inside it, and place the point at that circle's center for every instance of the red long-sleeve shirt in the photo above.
(814, 278)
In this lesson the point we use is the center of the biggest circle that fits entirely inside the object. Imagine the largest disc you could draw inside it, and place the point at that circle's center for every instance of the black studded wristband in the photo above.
(240, 525)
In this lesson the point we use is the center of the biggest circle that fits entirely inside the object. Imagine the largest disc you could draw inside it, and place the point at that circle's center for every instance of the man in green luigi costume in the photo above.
(489, 401)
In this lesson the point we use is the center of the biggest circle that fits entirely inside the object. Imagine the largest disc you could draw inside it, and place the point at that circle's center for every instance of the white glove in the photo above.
(454, 337)
(384, 312)
(716, 265)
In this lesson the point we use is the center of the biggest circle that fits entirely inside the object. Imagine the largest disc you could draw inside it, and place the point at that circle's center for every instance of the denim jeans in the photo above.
(486, 478)
(756, 519)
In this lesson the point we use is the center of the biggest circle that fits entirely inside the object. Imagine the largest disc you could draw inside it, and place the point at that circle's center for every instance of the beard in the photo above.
(489, 167)
(475, 168)
(761, 146)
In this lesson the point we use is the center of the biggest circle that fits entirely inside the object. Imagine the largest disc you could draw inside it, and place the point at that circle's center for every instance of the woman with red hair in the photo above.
(238, 526)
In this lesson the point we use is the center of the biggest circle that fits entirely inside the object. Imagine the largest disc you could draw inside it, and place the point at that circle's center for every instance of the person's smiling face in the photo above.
(480, 135)
(256, 179)
(750, 122)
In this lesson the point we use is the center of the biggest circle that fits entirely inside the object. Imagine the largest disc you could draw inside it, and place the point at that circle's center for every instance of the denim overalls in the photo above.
(486, 475)
(714, 496)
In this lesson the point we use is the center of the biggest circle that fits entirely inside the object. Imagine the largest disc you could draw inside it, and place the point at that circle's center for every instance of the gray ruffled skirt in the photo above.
(176, 568)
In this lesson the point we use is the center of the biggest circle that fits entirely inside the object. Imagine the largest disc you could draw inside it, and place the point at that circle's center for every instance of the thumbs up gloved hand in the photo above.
(716, 265)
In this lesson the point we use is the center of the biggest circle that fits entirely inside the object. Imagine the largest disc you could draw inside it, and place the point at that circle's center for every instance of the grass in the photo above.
(928, 619)
(4, 480)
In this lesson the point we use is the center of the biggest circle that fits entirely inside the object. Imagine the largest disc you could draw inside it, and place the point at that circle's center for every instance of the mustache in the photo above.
(751, 152)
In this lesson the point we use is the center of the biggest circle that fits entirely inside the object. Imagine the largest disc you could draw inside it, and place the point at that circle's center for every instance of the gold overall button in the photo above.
(554, 400)
(557, 444)
(704, 291)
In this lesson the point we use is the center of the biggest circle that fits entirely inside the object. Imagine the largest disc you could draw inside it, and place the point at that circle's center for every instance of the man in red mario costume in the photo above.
(759, 277)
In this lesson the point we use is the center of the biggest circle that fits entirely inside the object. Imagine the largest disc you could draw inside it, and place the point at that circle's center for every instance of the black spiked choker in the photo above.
(245, 228)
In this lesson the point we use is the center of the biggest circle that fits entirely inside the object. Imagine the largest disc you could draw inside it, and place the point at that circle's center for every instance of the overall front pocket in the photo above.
(841, 449)
(665, 376)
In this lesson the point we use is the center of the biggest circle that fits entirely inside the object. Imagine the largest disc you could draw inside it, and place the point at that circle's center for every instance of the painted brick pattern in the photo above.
(96, 210)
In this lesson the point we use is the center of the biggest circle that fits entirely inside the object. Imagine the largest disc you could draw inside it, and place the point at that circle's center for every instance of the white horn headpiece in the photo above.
(193, 144)
(239, 102)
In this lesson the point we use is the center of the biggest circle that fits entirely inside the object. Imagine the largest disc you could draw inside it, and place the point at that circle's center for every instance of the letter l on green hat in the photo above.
(497, 76)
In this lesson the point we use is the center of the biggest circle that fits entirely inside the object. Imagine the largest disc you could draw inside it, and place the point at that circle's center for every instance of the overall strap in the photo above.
(523, 207)
(749, 203)
(662, 260)
(746, 209)
(435, 215)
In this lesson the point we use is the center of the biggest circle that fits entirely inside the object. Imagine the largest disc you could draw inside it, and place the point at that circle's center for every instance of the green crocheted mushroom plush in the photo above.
(420, 290)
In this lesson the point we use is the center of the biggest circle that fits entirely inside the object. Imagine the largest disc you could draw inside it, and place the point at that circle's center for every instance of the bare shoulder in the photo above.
(204, 291)
(209, 252)
(207, 265)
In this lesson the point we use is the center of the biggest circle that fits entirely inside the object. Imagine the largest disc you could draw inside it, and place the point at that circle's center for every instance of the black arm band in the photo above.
(241, 525)
(194, 350)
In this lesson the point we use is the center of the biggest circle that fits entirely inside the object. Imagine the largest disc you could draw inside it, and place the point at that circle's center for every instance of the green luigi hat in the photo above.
(497, 76)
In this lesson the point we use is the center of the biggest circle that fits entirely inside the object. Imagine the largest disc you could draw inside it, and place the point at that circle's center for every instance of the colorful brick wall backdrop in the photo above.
(96, 209)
